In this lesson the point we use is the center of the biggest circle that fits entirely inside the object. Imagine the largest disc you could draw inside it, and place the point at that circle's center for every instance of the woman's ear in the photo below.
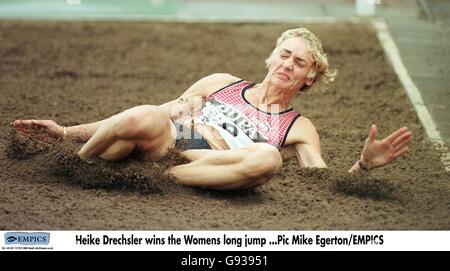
(310, 78)
(309, 81)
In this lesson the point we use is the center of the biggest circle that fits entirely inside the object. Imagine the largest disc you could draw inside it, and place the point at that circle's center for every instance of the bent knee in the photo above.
(119, 150)
(264, 161)
(141, 121)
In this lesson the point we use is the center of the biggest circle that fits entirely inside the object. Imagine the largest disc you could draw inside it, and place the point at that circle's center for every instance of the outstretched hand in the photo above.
(377, 153)
(44, 130)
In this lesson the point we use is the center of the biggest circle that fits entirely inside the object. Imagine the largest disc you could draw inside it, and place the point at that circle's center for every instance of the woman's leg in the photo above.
(229, 169)
(144, 128)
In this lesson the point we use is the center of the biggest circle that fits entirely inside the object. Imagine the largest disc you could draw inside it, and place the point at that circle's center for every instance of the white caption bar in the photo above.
(226, 240)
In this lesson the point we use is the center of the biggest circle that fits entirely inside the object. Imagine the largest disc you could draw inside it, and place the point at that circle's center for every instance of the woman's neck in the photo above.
(268, 96)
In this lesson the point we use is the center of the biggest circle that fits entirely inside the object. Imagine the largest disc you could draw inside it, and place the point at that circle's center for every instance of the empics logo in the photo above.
(27, 238)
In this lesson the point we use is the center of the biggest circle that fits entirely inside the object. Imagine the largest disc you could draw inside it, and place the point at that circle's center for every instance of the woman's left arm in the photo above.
(377, 153)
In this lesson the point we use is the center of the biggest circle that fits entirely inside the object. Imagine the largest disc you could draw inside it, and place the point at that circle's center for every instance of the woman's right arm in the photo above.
(188, 101)
(80, 132)
(83, 131)
(195, 96)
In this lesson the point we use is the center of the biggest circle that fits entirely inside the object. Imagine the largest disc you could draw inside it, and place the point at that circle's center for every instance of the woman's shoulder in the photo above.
(226, 77)
(303, 123)
(302, 131)
(219, 80)
(211, 83)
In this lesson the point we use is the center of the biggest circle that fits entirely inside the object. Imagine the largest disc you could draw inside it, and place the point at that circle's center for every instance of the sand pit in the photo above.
(76, 72)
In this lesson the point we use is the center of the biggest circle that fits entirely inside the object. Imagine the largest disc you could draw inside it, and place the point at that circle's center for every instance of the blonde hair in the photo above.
(320, 72)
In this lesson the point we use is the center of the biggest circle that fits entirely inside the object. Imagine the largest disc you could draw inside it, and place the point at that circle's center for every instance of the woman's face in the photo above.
(291, 64)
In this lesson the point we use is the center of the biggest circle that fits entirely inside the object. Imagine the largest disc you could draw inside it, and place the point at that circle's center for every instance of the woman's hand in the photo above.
(377, 153)
(39, 129)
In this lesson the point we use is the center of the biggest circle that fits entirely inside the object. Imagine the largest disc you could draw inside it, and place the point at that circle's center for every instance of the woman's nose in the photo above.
(288, 64)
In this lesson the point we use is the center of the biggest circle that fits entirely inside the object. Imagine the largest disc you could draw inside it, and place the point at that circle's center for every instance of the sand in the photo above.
(79, 72)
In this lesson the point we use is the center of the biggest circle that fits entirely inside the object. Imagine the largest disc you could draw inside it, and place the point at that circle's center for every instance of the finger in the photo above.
(400, 152)
(402, 144)
(22, 130)
(20, 127)
(15, 123)
(24, 122)
(401, 138)
(396, 134)
(372, 133)
(37, 122)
